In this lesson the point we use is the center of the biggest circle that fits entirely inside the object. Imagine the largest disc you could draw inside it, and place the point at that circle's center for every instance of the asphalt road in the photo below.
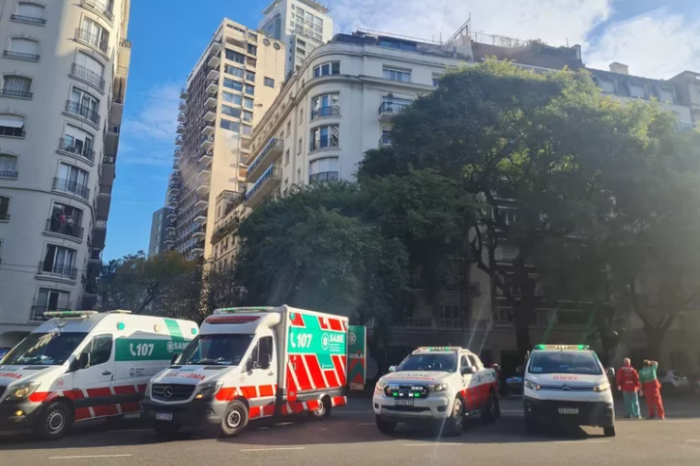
(350, 438)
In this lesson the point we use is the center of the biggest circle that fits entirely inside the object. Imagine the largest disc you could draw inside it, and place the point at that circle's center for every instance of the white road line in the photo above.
(274, 449)
(580, 442)
(432, 444)
(86, 456)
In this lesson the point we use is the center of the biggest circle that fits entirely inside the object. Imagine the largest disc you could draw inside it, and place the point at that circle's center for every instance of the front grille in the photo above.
(406, 409)
(160, 391)
(586, 410)
(406, 391)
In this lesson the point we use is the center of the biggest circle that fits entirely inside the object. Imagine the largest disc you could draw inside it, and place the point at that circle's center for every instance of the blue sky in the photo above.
(656, 38)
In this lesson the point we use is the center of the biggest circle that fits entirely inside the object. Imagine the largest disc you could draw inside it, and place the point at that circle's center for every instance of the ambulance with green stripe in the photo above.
(84, 365)
(252, 363)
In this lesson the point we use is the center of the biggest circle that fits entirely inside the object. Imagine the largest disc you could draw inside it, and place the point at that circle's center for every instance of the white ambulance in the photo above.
(84, 365)
(567, 385)
(252, 363)
(437, 386)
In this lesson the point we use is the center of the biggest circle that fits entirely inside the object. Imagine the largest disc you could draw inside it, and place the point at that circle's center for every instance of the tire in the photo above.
(323, 410)
(492, 411)
(235, 419)
(385, 427)
(609, 431)
(166, 429)
(454, 425)
(55, 421)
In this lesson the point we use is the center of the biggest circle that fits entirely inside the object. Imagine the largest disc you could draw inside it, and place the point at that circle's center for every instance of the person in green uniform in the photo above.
(652, 389)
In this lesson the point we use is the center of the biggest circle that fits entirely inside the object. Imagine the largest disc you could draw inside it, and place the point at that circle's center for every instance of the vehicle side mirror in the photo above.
(84, 361)
(392, 368)
(468, 369)
(249, 365)
(175, 358)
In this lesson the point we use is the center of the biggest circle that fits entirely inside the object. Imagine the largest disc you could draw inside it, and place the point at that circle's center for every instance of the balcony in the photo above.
(212, 87)
(71, 187)
(16, 93)
(208, 129)
(268, 182)
(28, 19)
(207, 143)
(179, 141)
(265, 158)
(200, 217)
(68, 146)
(210, 116)
(181, 117)
(202, 188)
(202, 203)
(169, 241)
(83, 111)
(122, 70)
(172, 214)
(174, 188)
(56, 228)
(181, 128)
(213, 74)
(183, 93)
(216, 47)
(324, 112)
(102, 8)
(204, 173)
(214, 60)
(170, 227)
(198, 249)
(183, 105)
(66, 271)
(388, 109)
(212, 101)
(230, 226)
(200, 232)
(206, 158)
(81, 73)
(21, 55)
(100, 43)
(11, 174)
(100, 224)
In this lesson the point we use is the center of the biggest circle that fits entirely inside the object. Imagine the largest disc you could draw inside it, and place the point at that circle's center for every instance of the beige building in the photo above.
(231, 86)
(63, 76)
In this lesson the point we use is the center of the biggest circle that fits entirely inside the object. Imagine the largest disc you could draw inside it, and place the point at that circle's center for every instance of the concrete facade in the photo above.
(156, 243)
(64, 73)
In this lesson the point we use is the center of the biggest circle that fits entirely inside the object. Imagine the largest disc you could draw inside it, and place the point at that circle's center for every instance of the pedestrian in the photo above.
(652, 389)
(628, 383)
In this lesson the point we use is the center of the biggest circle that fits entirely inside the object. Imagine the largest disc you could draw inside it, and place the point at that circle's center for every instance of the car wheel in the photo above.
(454, 424)
(166, 429)
(235, 419)
(323, 410)
(55, 422)
(609, 431)
(385, 427)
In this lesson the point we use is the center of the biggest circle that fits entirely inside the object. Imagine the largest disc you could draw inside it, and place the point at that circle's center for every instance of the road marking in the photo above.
(581, 442)
(274, 449)
(430, 444)
(86, 456)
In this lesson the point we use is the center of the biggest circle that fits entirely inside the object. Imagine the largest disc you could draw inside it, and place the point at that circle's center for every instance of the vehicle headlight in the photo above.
(602, 387)
(380, 386)
(438, 387)
(22, 390)
(147, 392)
(531, 385)
(208, 390)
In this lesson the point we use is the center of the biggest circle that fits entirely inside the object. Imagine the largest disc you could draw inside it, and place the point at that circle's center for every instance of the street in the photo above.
(350, 438)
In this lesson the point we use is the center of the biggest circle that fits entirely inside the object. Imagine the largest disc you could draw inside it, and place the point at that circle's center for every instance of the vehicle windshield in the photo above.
(565, 362)
(429, 362)
(224, 349)
(44, 349)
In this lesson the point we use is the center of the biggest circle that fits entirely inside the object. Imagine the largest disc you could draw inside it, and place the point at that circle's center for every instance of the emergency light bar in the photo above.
(119, 311)
(232, 310)
(62, 314)
(428, 349)
(562, 347)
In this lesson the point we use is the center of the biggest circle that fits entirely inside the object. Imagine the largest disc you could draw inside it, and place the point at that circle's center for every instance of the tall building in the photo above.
(302, 25)
(63, 82)
(156, 244)
(233, 83)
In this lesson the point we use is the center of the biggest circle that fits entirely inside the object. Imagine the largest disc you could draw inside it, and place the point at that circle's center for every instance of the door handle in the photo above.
(106, 373)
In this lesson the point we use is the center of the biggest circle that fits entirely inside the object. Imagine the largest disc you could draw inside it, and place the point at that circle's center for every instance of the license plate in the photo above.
(164, 416)
(568, 410)
(404, 402)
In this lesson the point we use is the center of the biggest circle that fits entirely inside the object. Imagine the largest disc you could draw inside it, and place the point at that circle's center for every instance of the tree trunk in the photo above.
(654, 337)
(522, 329)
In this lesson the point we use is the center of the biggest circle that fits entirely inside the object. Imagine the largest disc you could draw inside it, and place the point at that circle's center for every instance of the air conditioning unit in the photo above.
(108, 159)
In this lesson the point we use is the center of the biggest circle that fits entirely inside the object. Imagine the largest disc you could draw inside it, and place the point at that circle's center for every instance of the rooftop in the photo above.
(310, 3)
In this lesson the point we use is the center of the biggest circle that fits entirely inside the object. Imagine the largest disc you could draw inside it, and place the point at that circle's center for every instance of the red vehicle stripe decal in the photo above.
(105, 410)
(142, 388)
(297, 320)
(337, 362)
(330, 377)
(254, 412)
(124, 390)
(322, 321)
(336, 325)
(98, 392)
(248, 392)
(302, 375)
(82, 413)
(225, 394)
(312, 405)
(76, 394)
(298, 408)
(266, 390)
(315, 370)
(269, 410)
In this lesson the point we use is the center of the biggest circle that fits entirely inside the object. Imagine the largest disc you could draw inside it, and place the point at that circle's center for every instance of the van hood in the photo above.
(14, 374)
(193, 375)
(569, 380)
(416, 376)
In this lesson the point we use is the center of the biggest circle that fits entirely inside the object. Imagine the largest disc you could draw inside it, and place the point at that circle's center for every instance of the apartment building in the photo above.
(233, 83)
(156, 243)
(63, 81)
(302, 25)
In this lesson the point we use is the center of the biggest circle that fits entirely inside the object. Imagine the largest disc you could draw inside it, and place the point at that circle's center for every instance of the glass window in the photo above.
(44, 349)
(78, 141)
(247, 116)
(224, 349)
(324, 136)
(11, 125)
(667, 96)
(325, 169)
(441, 362)
(230, 111)
(4, 207)
(248, 89)
(231, 84)
(327, 69)
(232, 98)
(99, 349)
(252, 49)
(269, 82)
(250, 76)
(325, 105)
(248, 103)
(235, 56)
(607, 86)
(262, 353)
(397, 75)
(234, 71)
(564, 362)
(30, 10)
(8, 168)
(246, 130)
(24, 46)
(19, 86)
(289, 128)
(230, 125)
(286, 158)
(59, 260)
(637, 91)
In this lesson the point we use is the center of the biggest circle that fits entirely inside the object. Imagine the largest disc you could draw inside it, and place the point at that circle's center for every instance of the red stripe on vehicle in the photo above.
(248, 392)
(142, 388)
(312, 405)
(292, 388)
(75, 394)
(297, 320)
(314, 370)
(323, 322)
(124, 390)
(298, 408)
(267, 390)
(339, 401)
(98, 392)
(339, 368)
(268, 410)
(105, 410)
(336, 325)
(82, 413)
(131, 407)
(301, 373)
(254, 412)
(225, 394)
(38, 397)
(330, 377)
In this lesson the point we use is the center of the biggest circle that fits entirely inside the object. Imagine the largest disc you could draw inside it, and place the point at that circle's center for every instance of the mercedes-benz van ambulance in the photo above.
(84, 365)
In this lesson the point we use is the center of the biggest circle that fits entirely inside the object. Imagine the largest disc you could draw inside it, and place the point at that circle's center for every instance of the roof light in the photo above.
(61, 314)
(423, 349)
(562, 347)
(232, 310)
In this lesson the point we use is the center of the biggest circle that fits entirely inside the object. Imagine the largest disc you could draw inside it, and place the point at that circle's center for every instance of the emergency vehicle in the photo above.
(252, 363)
(84, 365)
(567, 385)
(439, 386)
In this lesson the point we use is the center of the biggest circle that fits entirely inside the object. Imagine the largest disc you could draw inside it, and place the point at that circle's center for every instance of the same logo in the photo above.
(325, 342)
(352, 338)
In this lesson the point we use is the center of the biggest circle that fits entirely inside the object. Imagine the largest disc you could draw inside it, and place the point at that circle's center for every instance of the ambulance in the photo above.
(567, 385)
(252, 363)
(436, 386)
(84, 365)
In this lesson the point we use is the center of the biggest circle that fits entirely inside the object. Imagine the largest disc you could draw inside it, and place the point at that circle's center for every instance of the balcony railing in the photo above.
(4, 216)
(27, 19)
(8, 174)
(54, 226)
(392, 107)
(273, 144)
(325, 112)
(21, 55)
(80, 72)
(76, 108)
(10, 131)
(16, 93)
(68, 145)
(62, 184)
(272, 172)
(94, 40)
(58, 270)
(100, 7)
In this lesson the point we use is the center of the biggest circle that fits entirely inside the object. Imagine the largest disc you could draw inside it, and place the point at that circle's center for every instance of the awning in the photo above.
(11, 121)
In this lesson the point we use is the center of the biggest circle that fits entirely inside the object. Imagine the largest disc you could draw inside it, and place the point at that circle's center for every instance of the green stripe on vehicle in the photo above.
(174, 329)
(147, 349)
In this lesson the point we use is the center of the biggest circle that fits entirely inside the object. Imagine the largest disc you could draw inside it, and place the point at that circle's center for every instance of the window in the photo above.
(4, 208)
(51, 300)
(72, 180)
(89, 69)
(397, 75)
(30, 13)
(59, 261)
(262, 353)
(607, 86)
(231, 84)
(436, 80)
(84, 105)
(248, 89)
(234, 71)
(301, 42)
(301, 51)
(251, 62)
(230, 111)
(252, 36)
(248, 103)
(667, 96)
(8, 166)
(78, 141)
(298, 175)
(250, 76)
(232, 98)
(637, 91)
(16, 86)
(235, 56)
(327, 69)
(324, 136)
(93, 34)
(99, 349)
(252, 49)
(269, 82)
(299, 147)
(246, 130)
(286, 158)
(247, 116)
(386, 138)
(23, 48)
(11, 125)
(325, 169)
(325, 105)
(230, 125)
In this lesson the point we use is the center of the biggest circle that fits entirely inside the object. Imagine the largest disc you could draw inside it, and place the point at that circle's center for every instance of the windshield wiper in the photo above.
(205, 361)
